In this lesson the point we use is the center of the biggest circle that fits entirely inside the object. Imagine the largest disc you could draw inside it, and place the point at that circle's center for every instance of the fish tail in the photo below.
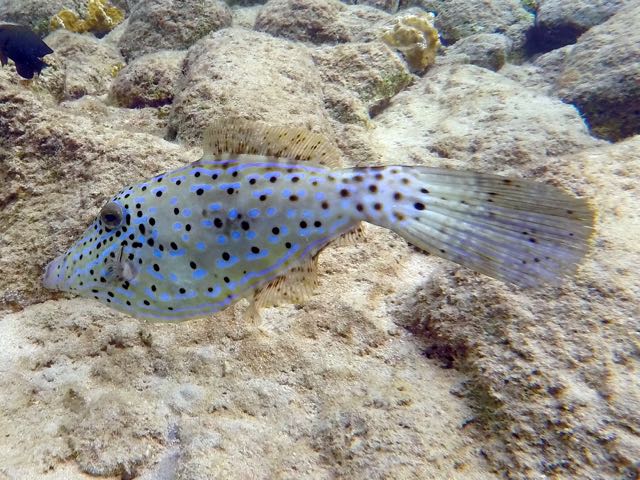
(519, 231)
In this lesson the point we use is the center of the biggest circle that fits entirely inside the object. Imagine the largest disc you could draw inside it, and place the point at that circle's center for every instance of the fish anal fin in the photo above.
(295, 286)
(237, 136)
(351, 237)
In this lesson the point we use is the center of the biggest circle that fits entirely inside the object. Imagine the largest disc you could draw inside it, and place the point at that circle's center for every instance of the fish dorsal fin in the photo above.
(295, 286)
(239, 136)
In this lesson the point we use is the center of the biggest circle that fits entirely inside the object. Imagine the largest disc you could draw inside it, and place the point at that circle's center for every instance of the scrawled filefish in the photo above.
(249, 219)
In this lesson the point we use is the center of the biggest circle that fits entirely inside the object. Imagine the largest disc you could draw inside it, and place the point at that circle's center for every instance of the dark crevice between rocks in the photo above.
(543, 39)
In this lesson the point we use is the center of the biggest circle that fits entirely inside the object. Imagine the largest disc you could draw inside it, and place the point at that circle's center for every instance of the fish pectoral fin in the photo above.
(237, 136)
(295, 286)
(121, 270)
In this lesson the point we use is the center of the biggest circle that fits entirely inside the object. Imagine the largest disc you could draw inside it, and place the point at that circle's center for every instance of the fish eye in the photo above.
(111, 215)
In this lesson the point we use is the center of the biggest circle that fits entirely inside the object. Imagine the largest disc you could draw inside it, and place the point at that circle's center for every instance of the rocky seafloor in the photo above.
(401, 365)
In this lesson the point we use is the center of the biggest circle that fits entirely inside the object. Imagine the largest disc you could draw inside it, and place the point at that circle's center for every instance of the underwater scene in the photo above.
(319, 239)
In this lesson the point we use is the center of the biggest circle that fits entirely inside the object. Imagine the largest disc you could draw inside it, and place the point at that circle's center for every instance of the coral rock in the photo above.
(243, 73)
(148, 81)
(163, 24)
(602, 76)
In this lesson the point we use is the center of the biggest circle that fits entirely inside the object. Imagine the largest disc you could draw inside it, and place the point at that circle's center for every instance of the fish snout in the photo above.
(51, 276)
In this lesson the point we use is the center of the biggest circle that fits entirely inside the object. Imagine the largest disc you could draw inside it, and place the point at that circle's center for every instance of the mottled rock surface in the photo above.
(560, 23)
(602, 76)
(36, 13)
(457, 19)
(249, 74)
(370, 72)
(305, 20)
(85, 64)
(161, 24)
(149, 81)
(390, 6)
(486, 50)
(542, 73)
(472, 118)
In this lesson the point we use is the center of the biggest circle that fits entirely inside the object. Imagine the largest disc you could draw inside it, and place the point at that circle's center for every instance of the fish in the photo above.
(249, 219)
(24, 47)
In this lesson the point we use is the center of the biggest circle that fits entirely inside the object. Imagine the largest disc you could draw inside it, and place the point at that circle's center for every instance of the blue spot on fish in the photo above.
(222, 239)
(254, 213)
(199, 274)
(271, 211)
(225, 186)
(220, 263)
(216, 291)
(201, 246)
(186, 212)
(255, 256)
(215, 207)
(154, 274)
(206, 223)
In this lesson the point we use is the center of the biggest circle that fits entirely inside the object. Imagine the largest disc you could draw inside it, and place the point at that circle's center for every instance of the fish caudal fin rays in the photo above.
(295, 286)
(240, 136)
(519, 231)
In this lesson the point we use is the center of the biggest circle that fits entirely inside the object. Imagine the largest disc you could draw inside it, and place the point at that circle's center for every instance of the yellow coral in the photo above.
(101, 18)
(414, 35)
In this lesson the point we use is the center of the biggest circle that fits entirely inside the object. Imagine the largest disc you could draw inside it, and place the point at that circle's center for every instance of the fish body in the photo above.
(193, 241)
(24, 47)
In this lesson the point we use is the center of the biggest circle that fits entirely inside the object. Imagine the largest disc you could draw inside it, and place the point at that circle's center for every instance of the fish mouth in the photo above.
(50, 278)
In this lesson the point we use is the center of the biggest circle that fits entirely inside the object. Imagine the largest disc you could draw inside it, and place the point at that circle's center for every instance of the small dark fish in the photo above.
(24, 47)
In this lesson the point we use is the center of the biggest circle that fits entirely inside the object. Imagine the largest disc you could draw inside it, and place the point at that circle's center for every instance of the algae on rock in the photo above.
(414, 35)
(100, 19)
